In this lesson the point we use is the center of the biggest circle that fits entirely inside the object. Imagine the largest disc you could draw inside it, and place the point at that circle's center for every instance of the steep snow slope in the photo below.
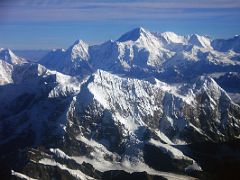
(33, 102)
(174, 110)
(135, 49)
(117, 118)
(8, 56)
(172, 38)
(5, 73)
(176, 42)
(72, 61)
(200, 41)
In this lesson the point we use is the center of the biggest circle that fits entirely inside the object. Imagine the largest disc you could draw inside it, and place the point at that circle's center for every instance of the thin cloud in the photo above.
(71, 10)
(112, 3)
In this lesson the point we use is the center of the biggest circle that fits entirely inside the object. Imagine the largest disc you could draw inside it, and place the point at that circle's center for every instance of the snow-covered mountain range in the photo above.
(80, 112)
(141, 50)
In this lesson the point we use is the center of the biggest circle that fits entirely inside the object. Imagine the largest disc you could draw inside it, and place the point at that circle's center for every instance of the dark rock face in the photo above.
(155, 158)
(218, 160)
(96, 123)
(118, 175)
(229, 81)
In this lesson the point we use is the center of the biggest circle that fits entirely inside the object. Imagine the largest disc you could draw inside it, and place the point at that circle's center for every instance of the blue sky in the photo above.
(48, 24)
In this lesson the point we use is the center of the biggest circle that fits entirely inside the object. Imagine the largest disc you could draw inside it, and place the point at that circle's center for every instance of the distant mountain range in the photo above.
(155, 102)
(31, 55)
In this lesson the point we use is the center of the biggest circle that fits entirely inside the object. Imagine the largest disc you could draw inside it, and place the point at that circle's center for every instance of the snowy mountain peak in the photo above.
(8, 56)
(70, 61)
(134, 35)
(79, 50)
(171, 37)
(201, 41)
(79, 42)
(207, 82)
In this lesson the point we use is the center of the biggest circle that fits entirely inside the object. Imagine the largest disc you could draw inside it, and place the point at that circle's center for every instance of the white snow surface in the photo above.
(66, 85)
(21, 176)
(142, 49)
(129, 99)
(170, 150)
(171, 37)
(101, 164)
(79, 50)
(175, 154)
(68, 61)
(201, 41)
(76, 173)
(8, 56)
(5, 73)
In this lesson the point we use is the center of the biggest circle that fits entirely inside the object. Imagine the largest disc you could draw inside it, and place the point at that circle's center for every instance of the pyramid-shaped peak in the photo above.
(140, 30)
(79, 41)
(78, 45)
(5, 51)
(8, 56)
(197, 36)
(134, 34)
(79, 49)
(201, 41)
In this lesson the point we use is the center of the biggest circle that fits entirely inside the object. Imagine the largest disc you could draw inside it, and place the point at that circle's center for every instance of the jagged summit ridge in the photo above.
(161, 103)
(171, 37)
(144, 51)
